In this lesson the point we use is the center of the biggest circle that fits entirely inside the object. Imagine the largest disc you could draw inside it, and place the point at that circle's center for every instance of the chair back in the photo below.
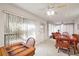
(56, 34)
(65, 34)
(64, 43)
(75, 35)
(30, 42)
(75, 38)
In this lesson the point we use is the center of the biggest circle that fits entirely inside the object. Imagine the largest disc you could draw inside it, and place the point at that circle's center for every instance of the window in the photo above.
(62, 27)
(19, 28)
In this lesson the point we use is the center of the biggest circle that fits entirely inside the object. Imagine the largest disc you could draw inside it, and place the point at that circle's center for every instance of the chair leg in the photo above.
(69, 51)
(74, 50)
(77, 49)
(56, 46)
(58, 50)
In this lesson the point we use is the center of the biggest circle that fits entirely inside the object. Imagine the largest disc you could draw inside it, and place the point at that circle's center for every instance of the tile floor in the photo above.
(47, 48)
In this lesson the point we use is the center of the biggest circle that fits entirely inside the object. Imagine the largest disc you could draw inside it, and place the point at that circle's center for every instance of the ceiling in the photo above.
(68, 12)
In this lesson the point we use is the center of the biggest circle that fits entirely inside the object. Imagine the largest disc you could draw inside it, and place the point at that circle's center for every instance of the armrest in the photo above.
(26, 52)
(3, 51)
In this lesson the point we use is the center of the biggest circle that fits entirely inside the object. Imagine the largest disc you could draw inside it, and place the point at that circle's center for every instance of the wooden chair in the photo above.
(65, 34)
(75, 42)
(64, 43)
(58, 37)
(30, 42)
(55, 34)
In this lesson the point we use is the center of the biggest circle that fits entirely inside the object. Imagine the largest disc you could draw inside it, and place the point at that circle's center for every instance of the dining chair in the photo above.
(65, 34)
(54, 34)
(58, 37)
(75, 42)
(64, 43)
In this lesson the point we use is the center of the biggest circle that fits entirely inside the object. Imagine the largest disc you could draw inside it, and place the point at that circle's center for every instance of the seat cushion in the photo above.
(26, 52)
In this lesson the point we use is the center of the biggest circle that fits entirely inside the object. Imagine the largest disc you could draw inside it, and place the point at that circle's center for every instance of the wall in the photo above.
(1, 29)
(22, 13)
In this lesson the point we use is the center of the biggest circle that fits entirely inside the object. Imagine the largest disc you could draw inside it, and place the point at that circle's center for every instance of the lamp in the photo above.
(50, 12)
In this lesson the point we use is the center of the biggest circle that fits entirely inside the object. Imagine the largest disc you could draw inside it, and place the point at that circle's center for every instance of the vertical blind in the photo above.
(18, 28)
(63, 28)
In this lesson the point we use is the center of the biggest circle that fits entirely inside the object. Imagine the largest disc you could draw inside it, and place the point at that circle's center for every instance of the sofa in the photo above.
(17, 49)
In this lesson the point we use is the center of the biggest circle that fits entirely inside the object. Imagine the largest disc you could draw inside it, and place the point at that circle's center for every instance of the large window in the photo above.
(62, 27)
(53, 28)
(68, 28)
(18, 28)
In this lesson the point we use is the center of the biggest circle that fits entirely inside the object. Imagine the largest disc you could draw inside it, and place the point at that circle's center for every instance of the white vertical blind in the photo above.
(68, 28)
(62, 27)
(21, 27)
(56, 27)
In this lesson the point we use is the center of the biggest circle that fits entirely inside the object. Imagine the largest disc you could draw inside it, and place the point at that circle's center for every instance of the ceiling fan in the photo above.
(56, 5)
(52, 7)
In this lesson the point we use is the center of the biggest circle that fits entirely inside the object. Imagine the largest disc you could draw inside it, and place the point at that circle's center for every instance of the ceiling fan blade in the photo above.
(61, 6)
(53, 6)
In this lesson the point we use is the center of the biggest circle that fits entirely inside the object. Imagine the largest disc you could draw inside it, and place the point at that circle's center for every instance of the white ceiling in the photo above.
(68, 12)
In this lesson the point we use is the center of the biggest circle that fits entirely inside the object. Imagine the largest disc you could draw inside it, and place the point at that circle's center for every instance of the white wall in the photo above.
(22, 13)
(1, 29)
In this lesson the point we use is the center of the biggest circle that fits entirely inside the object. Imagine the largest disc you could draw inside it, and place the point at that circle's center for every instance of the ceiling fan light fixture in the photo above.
(50, 12)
